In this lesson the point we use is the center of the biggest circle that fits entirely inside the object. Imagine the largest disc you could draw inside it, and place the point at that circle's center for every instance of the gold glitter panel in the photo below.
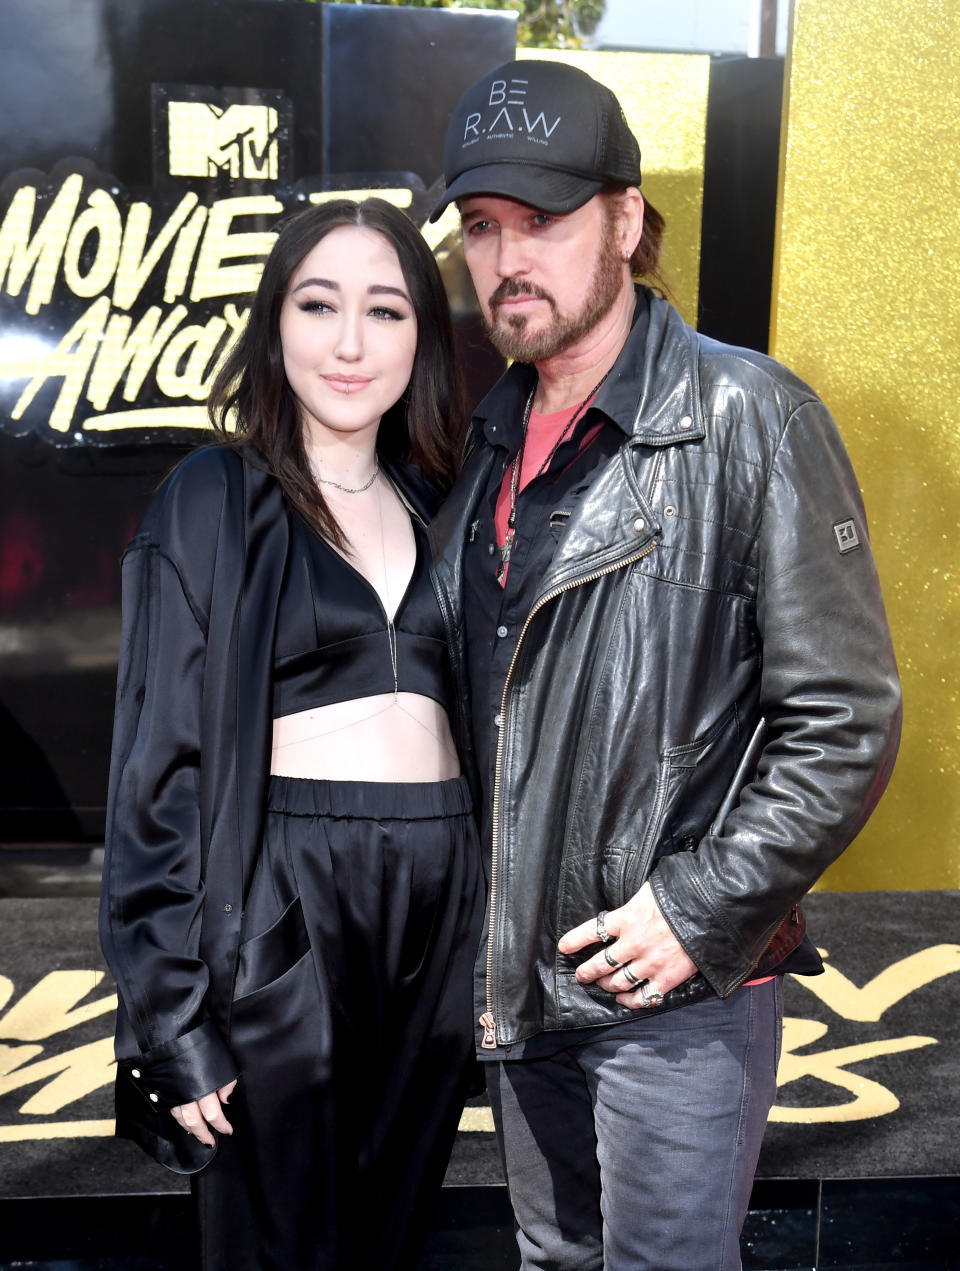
(664, 97)
(867, 308)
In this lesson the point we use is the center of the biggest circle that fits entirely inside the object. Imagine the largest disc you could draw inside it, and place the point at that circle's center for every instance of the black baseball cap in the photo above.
(544, 133)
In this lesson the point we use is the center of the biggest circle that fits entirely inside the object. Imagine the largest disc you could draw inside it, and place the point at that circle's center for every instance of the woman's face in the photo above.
(348, 331)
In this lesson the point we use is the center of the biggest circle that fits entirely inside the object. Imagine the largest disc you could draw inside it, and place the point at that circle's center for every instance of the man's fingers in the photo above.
(226, 1091)
(579, 937)
(599, 968)
(616, 982)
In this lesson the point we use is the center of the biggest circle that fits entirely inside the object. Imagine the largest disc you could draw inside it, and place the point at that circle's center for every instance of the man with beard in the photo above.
(683, 696)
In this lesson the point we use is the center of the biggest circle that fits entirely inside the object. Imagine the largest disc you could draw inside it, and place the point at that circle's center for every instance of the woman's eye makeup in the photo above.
(382, 313)
(314, 306)
(385, 314)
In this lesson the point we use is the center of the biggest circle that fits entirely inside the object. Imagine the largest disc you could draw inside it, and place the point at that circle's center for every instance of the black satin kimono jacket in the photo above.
(188, 778)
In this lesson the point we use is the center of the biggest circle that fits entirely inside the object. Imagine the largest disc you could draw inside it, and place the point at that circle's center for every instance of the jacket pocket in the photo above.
(266, 957)
(695, 768)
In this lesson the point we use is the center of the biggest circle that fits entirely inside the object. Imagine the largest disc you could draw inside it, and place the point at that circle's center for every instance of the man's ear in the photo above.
(630, 207)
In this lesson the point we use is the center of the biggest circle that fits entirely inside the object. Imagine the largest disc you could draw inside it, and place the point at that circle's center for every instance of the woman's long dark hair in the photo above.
(251, 401)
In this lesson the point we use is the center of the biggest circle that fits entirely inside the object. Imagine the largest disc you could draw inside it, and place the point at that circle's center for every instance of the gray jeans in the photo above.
(637, 1150)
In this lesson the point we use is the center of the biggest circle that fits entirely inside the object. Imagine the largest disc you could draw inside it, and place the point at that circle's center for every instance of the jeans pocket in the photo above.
(778, 989)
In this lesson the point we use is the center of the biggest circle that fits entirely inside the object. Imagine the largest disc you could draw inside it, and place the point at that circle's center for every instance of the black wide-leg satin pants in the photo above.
(352, 1025)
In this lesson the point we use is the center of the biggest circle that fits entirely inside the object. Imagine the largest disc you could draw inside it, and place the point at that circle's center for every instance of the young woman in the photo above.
(292, 887)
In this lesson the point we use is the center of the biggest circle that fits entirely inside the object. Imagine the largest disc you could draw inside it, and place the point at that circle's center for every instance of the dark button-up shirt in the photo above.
(494, 614)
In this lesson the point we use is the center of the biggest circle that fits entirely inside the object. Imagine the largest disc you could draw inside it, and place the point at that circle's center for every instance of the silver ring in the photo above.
(650, 995)
(610, 959)
(602, 927)
(631, 978)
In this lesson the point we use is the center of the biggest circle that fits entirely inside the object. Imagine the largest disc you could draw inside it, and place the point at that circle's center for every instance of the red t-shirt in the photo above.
(543, 433)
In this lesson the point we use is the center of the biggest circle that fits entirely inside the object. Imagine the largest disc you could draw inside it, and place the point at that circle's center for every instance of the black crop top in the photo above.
(332, 642)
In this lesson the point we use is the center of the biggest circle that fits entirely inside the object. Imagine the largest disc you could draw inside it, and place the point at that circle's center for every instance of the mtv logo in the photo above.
(205, 140)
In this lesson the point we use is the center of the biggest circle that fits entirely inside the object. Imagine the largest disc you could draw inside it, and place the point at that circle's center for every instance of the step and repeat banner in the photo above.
(148, 149)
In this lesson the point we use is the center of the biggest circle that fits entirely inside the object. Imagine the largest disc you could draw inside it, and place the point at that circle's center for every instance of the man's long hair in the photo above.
(252, 402)
(645, 263)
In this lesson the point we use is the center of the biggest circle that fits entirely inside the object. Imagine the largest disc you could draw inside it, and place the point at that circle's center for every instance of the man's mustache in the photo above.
(510, 288)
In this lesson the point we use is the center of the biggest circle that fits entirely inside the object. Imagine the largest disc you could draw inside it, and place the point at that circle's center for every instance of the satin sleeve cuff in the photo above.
(181, 1070)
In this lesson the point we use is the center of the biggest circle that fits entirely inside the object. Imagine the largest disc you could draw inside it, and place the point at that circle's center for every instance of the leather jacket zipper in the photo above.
(487, 1020)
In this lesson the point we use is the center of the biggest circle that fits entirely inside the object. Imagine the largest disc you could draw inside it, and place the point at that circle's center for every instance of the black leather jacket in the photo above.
(713, 597)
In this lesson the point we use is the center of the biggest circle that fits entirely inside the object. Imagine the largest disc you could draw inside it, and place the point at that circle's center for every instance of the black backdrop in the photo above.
(362, 95)
(368, 91)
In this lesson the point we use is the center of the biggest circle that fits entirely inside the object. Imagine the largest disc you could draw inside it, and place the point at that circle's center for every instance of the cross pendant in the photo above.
(505, 553)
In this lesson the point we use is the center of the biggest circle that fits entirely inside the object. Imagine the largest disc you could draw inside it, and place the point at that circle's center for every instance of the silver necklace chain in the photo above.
(358, 489)
(391, 629)
(516, 472)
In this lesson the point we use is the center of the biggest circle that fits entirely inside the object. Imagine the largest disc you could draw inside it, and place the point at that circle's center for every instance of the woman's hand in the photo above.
(197, 1117)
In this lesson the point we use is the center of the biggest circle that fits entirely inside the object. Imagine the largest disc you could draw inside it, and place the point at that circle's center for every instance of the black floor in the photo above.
(796, 1224)
(835, 1225)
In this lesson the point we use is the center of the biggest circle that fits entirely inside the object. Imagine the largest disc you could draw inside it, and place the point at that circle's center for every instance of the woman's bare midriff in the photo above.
(402, 737)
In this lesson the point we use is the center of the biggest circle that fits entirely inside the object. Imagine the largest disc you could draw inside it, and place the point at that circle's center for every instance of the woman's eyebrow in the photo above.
(388, 291)
(375, 290)
(317, 282)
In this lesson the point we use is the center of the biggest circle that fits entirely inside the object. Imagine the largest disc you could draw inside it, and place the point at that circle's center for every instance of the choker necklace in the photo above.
(507, 549)
(357, 489)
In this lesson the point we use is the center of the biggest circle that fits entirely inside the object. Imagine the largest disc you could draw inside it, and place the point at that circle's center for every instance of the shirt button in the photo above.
(135, 1073)
(639, 525)
(686, 423)
(496, 720)
(228, 908)
(502, 631)
(154, 1098)
(490, 549)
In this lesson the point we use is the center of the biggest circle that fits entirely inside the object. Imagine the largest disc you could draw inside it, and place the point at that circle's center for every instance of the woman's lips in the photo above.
(346, 384)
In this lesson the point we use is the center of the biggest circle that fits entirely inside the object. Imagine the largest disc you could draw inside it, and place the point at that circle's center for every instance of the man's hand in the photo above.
(644, 945)
(197, 1117)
